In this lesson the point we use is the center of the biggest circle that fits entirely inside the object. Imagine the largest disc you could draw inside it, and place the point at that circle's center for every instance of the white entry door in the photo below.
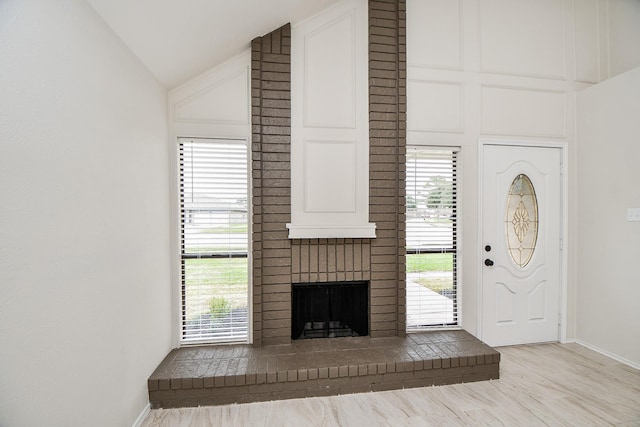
(521, 244)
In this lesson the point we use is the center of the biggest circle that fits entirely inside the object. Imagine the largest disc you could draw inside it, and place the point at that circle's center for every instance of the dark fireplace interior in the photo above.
(330, 310)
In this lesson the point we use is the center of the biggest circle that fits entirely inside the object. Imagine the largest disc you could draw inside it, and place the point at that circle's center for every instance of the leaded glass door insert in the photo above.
(521, 220)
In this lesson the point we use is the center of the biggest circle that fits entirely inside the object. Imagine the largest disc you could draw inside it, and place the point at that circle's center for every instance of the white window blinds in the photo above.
(431, 237)
(214, 239)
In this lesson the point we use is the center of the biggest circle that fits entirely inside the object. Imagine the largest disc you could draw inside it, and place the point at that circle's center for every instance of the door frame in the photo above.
(564, 215)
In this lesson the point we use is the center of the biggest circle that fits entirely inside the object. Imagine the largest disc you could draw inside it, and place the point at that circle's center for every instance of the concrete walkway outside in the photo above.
(429, 308)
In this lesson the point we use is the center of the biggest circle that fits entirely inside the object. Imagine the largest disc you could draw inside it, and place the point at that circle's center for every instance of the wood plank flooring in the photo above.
(539, 385)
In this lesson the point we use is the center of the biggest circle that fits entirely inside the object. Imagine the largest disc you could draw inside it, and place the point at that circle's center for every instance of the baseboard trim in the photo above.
(608, 354)
(143, 415)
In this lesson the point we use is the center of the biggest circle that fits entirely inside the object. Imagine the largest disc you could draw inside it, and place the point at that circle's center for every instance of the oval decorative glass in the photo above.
(521, 220)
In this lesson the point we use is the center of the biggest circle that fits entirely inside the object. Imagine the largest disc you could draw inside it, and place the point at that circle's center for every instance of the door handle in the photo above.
(488, 262)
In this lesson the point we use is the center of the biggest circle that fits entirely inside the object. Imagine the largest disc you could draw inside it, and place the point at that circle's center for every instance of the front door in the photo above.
(521, 244)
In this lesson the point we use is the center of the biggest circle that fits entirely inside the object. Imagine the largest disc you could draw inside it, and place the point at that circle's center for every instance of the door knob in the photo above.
(488, 262)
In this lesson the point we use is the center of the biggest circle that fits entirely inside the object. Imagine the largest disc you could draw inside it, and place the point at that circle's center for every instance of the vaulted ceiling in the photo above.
(179, 39)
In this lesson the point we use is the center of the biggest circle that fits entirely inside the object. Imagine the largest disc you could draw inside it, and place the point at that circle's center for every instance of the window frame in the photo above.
(177, 258)
(456, 152)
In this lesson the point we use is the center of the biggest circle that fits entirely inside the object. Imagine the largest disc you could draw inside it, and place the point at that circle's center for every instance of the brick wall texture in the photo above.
(387, 150)
(277, 261)
(271, 190)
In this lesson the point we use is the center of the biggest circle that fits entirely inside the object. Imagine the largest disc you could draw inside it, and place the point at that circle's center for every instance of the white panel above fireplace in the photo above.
(330, 75)
(337, 193)
(330, 125)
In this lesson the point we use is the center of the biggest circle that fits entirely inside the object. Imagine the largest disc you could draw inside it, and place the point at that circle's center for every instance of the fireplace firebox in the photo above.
(329, 310)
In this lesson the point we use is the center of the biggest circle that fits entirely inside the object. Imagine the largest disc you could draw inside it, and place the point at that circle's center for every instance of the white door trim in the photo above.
(564, 203)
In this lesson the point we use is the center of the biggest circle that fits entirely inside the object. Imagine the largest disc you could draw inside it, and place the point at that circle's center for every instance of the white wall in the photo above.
(214, 104)
(84, 214)
(624, 33)
(507, 70)
(608, 245)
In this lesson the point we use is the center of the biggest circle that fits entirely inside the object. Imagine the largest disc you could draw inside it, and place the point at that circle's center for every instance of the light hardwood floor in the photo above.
(540, 385)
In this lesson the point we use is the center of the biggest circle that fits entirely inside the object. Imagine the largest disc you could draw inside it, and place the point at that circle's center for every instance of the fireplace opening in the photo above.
(329, 310)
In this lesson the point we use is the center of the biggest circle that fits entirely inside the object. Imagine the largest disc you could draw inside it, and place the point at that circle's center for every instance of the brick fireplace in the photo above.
(278, 261)
(275, 366)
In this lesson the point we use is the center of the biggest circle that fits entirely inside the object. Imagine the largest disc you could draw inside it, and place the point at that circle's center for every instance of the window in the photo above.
(432, 291)
(213, 176)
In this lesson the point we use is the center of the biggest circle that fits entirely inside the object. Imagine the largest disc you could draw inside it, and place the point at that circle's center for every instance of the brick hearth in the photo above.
(216, 375)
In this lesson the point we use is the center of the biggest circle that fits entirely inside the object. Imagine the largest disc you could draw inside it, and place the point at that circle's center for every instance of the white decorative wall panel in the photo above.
(214, 104)
(434, 34)
(434, 106)
(525, 112)
(223, 101)
(329, 79)
(522, 62)
(330, 124)
(522, 37)
(623, 34)
(586, 39)
(337, 192)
